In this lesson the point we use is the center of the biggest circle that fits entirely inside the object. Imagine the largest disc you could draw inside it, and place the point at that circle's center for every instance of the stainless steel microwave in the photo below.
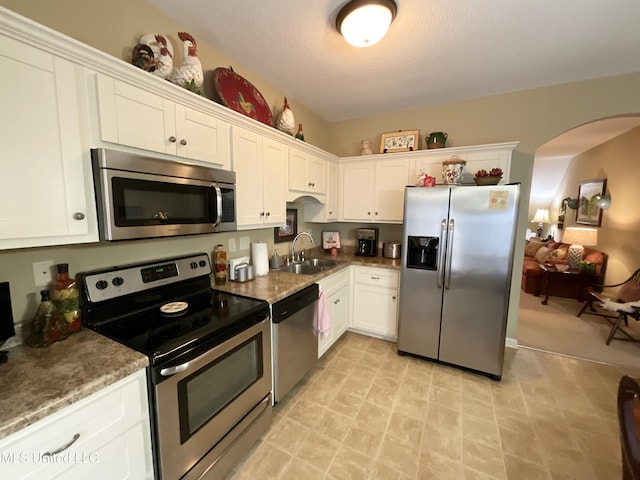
(144, 197)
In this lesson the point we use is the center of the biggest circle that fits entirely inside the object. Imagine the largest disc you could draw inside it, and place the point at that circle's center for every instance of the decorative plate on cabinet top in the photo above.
(240, 95)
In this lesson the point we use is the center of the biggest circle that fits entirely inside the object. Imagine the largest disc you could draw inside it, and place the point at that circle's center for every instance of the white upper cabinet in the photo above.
(306, 173)
(373, 190)
(260, 164)
(135, 117)
(46, 193)
(480, 157)
(327, 211)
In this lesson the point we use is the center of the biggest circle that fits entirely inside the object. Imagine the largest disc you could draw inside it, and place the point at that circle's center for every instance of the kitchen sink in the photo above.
(310, 266)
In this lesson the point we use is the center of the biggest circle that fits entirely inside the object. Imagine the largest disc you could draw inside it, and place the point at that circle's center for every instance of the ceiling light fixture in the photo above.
(363, 23)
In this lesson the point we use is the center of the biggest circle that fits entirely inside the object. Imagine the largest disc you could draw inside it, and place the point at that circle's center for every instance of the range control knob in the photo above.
(117, 281)
(193, 265)
(101, 284)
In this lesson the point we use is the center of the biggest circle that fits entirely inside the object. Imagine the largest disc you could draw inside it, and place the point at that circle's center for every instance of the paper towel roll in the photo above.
(260, 258)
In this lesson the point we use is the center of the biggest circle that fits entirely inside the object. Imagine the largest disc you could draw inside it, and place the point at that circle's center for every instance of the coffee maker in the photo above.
(367, 242)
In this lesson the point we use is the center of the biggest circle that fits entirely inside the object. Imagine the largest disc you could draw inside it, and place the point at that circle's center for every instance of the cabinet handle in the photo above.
(172, 139)
(78, 216)
(375, 278)
(330, 213)
(337, 301)
(262, 214)
(268, 213)
(183, 142)
(393, 298)
(375, 213)
(313, 184)
(368, 213)
(64, 447)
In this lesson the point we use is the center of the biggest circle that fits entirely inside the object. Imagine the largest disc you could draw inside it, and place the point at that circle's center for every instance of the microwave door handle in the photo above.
(449, 253)
(218, 205)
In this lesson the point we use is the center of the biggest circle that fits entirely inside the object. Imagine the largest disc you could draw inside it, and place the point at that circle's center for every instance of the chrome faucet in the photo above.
(293, 244)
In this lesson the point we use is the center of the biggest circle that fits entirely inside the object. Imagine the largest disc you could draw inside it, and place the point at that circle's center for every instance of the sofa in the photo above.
(555, 253)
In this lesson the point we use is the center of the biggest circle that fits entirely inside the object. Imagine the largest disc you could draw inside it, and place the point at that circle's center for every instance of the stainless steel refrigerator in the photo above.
(456, 274)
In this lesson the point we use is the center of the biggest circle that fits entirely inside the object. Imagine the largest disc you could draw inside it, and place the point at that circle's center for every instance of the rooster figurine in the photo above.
(189, 74)
(154, 54)
(286, 123)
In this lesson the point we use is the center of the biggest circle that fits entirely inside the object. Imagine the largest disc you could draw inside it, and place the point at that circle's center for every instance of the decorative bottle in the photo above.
(300, 134)
(219, 265)
(66, 299)
(48, 325)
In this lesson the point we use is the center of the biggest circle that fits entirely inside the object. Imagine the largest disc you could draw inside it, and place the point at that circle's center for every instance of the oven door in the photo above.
(139, 205)
(201, 400)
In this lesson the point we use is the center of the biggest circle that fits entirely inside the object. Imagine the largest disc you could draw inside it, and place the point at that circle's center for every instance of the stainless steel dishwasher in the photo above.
(295, 344)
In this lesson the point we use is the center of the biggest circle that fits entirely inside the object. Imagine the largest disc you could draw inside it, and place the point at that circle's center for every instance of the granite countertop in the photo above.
(278, 285)
(37, 382)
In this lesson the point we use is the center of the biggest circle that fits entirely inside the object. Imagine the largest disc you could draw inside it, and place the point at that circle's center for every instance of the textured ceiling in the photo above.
(436, 51)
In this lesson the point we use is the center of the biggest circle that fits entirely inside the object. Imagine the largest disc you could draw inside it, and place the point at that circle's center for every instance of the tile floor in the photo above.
(367, 413)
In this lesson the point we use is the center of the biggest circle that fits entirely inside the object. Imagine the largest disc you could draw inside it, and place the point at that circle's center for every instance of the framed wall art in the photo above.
(290, 229)
(587, 212)
(400, 141)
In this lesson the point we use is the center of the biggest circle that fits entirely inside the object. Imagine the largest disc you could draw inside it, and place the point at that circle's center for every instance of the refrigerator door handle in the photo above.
(449, 254)
(443, 229)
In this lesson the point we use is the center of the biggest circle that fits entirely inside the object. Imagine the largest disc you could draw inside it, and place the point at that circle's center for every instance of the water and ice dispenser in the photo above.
(422, 252)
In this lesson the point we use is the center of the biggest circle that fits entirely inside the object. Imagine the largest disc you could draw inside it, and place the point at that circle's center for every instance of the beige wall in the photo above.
(617, 161)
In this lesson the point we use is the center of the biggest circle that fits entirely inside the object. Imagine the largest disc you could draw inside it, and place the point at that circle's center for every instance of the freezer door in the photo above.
(474, 308)
(425, 212)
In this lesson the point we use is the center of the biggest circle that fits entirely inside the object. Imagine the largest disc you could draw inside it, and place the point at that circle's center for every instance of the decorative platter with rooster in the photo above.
(240, 95)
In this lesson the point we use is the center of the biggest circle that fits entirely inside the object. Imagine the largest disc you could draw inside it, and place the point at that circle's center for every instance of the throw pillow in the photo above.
(541, 254)
(557, 254)
(531, 248)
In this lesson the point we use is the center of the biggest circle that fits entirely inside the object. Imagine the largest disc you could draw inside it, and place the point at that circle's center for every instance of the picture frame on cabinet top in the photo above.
(400, 141)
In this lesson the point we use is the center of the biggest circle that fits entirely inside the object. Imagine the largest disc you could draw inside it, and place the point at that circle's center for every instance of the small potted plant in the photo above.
(492, 177)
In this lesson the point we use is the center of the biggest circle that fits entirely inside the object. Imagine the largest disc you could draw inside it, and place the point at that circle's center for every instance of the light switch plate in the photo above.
(245, 242)
(42, 273)
(232, 245)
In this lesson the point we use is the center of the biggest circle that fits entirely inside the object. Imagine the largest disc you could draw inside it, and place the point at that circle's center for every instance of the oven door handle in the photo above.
(167, 372)
(218, 205)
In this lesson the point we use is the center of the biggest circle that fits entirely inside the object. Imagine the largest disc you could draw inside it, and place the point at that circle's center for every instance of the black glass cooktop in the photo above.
(209, 317)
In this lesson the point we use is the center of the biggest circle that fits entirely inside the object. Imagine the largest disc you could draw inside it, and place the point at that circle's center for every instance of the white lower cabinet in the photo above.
(375, 302)
(336, 294)
(103, 436)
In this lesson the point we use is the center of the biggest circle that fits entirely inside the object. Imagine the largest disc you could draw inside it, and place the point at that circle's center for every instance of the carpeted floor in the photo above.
(555, 328)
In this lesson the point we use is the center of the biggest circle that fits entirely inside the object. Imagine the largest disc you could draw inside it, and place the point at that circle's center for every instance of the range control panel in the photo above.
(107, 284)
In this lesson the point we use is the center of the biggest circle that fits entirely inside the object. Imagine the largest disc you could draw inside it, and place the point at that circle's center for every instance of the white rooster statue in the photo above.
(189, 74)
(286, 123)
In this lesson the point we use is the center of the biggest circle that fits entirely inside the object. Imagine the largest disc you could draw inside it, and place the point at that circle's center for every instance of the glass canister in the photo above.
(65, 297)
(48, 325)
(219, 265)
(453, 170)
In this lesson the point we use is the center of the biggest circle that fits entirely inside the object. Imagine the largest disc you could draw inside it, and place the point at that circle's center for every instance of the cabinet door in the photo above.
(391, 178)
(246, 155)
(331, 205)
(375, 310)
(45, 186)
(357, 191)
(274, 164)
(298, 170)
(201, 137)
(135, 117)
(316, 169)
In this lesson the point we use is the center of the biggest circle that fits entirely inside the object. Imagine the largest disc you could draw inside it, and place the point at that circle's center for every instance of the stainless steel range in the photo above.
(210, 359)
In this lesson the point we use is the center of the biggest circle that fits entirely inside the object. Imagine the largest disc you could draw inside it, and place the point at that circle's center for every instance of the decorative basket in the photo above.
(488, 180)
(452, 170)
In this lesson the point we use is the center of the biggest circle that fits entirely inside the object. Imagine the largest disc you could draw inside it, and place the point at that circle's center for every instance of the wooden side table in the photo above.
(573, 281)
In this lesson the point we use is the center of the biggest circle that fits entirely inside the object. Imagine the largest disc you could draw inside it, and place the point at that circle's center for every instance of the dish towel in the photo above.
(321, 320)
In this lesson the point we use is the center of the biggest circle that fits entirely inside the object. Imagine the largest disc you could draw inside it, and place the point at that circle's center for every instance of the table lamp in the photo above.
(578, 237)
(541, 217)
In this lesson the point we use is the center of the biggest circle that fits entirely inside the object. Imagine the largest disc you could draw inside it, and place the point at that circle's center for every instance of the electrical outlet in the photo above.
(42, 273)
(232, 245)
(245, 243)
